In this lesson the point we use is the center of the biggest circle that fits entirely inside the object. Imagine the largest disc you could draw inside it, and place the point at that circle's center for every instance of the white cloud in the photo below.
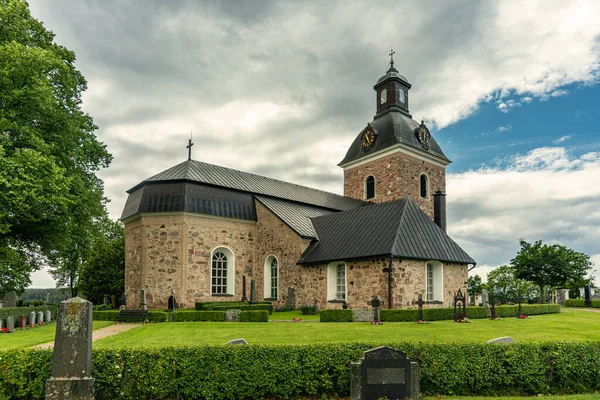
(561, 139)
(526, 99)
(504, 128)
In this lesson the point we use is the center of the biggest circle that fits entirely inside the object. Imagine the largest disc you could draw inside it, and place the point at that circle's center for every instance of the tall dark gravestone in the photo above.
(124, 300)
(252, 292)
(588, 296)
(460, 307)
(172, 304)
(71, 377)
(244, 297)
(420, 303)
(384, 373)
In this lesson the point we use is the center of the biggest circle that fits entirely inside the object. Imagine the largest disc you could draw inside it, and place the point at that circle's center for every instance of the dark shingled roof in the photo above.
(296, 216)
(392, 127)
(209, 174)
(398, 228)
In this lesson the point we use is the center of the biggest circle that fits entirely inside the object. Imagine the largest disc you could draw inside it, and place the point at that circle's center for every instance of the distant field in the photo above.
(577, 325)
(35, 336)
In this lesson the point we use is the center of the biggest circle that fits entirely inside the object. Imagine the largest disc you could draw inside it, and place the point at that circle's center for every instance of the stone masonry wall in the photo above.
(364, 279)
(396, 177)
(134, 261)
(274, 237)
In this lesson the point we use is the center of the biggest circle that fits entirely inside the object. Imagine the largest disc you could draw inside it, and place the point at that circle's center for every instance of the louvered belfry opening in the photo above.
(439, 209)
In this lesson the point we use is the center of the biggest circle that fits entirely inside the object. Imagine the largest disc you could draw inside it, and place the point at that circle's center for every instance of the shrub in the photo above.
(575, 303)
(203, 305)
(244, 307)
(105, 315)
(283, 309)
(188, 316)
(438, 314)
(102, 307)
(157, 316)
(254, 316)
(336, 316)
(319, 370)
(308, 310)
(18, 311)
(399, 315)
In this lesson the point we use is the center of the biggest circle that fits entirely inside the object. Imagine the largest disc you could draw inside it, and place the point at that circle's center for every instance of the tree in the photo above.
(550, 265)
(104, 272)
(474, 286)
(49, 154)
(503, 282)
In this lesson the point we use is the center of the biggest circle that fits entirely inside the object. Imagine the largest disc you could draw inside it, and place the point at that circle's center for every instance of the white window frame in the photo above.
(426, 186)
(230, 274)
(437, 269)
(267, 284)
(332, 282)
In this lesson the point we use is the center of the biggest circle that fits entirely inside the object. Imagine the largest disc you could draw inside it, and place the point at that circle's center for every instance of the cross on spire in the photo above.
(392, 52)
(189, 147)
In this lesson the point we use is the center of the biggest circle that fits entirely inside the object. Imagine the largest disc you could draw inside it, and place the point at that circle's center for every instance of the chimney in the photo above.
(439, 209)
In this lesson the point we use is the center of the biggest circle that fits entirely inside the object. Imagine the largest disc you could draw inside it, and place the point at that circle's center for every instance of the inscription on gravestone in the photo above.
(384, 372)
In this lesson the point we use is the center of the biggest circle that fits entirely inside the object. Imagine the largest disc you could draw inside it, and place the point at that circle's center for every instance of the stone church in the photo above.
(199, 229)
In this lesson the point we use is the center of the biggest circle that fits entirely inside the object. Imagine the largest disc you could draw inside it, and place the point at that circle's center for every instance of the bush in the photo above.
(439, 314)
(203, 305)
(283, 309)
(336, 316)
(317, 370)
(407, 315)
(18, 311)
(188, 316)
(106, 315)
(254, 316)
(102, 307)
(308, 310)
(575, 303)
(157, 316)
(244, 307)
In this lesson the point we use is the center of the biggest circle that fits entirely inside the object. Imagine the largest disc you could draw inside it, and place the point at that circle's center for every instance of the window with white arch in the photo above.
(222, 271)
(434, 281)
(424, 186)
(336, 281)
(271, 277)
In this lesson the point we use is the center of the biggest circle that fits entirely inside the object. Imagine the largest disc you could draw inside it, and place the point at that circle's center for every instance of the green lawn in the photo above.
(35, 336)
(570, 325)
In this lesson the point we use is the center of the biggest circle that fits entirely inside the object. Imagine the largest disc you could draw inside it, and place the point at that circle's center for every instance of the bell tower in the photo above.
(394, 156)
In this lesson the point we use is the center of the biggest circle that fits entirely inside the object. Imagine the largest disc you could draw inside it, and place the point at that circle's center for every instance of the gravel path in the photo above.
(98, 333)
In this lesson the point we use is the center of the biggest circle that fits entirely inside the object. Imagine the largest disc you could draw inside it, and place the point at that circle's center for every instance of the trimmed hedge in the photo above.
(191, 316)
(246, 307)
(439, 314)
(581, 303)
(16, 312)
(106, 315)
(320, 370)
(336, 316)
(254, 316)
(199, 306)
(158, 316)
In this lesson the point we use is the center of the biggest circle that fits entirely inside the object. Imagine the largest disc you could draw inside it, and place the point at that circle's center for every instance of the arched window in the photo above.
(369, 187)
(434, 275)
(222, 271)
(271, 277)
(424, 186)
(336, 281)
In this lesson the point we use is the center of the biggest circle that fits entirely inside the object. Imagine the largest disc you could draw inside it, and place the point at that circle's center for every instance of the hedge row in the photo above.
(188, 316)
(321, 370)
(16, 312)
(199, 306)
(246, 307)
(254, 316)
(438, 314)
(336, 316)
(111, 315)
(581, 303)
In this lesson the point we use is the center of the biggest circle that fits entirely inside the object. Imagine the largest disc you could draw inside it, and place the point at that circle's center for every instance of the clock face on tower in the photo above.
(368, 138)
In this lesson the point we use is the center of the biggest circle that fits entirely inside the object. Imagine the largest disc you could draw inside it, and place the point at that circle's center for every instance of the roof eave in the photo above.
(397, 148)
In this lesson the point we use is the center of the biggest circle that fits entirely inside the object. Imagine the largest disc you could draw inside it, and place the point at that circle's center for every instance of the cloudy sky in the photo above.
(509, 89)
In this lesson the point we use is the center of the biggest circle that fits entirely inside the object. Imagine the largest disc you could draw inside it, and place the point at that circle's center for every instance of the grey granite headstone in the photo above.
(122, 307)
(385, 372)
(123, 300)
(237, 341)
(143, 303)
(363, 315)
(232, 315)
(10, 324)
(290, 298)
(40, 316)
(48, 316)
(252, 292)
(10, 299)
(71, 377)
(504, 339)
(32, 318)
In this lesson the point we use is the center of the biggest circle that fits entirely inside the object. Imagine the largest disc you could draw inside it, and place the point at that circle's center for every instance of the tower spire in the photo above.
(392, 69)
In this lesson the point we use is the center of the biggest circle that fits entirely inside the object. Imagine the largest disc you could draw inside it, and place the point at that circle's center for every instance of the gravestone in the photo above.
(460, 307)
(290, 298)
(1, 305)
(504, 339)
(22, 321)
(420, 303)
(562, 295)
(32, 318)
(171, 303)
(237, 341)
(143, 303)
(375, 303)
(113, 301)
(71, 377)
(48, 316)
(485, 302)
(124, 300)
(244, 297)
(232, 315)
(10, 299)
(587, 294)
(122, 307)
(252, 292)
(10, 324)
(384, 372)
(40, 317)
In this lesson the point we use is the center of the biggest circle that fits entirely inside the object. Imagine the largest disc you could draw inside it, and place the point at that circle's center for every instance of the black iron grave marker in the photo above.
(420, 303)
(460, 308)
(384, 372)
(172, 304)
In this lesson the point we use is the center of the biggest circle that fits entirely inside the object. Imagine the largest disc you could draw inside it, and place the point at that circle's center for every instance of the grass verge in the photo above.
(31, 337)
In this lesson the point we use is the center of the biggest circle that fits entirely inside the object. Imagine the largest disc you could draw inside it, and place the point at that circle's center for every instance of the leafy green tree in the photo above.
(104, 272)
(474, 286)
(550, 265)
(503, 282)
(49, 154)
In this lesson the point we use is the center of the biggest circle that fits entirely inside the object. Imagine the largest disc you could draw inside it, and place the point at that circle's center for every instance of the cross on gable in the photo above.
(189, 147)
